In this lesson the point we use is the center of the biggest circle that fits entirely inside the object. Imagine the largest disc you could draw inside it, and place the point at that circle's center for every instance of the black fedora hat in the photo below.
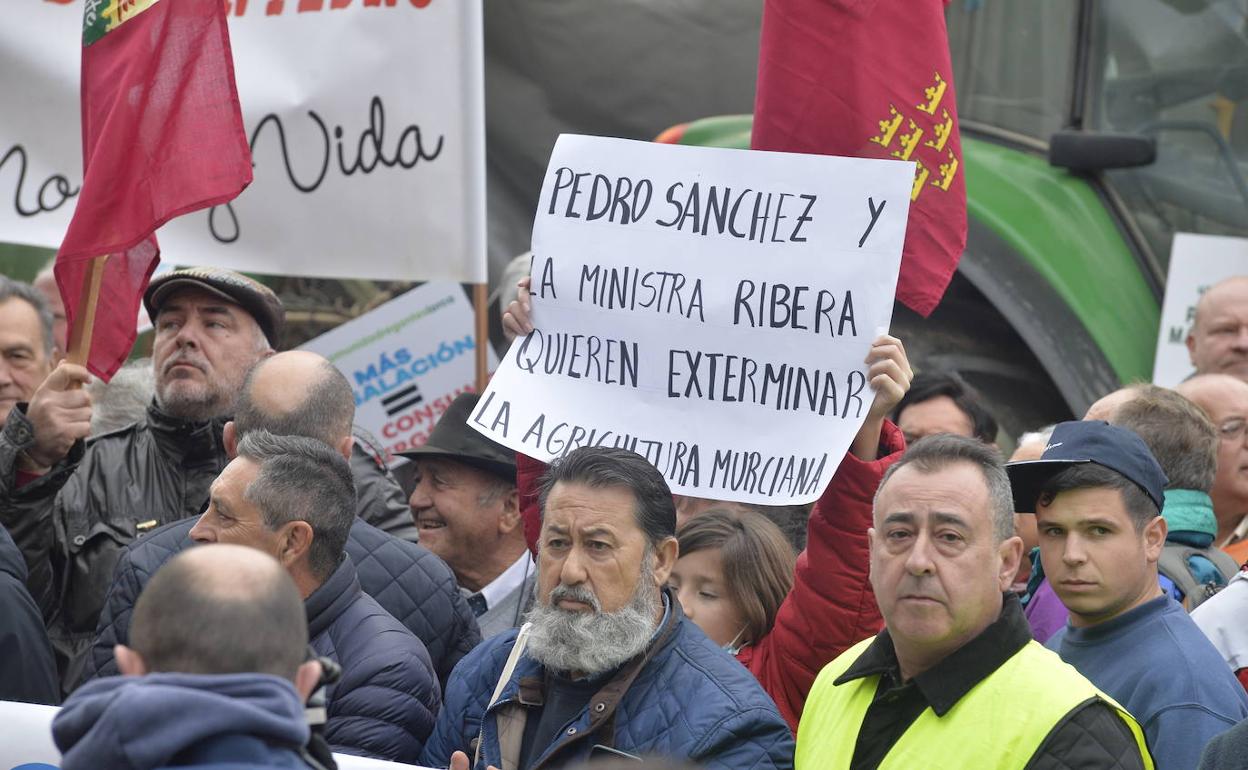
(452, 439)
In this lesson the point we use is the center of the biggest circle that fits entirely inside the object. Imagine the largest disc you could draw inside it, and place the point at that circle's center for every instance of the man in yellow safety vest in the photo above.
(955, 680)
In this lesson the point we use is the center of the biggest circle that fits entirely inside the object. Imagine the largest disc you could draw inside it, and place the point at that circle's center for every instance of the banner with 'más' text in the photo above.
(365, 120)
(709, 309)
(406, 361)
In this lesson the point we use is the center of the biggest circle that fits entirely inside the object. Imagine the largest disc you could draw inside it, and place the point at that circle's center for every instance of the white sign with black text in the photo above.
(707, 308)
(406, 361)
(366, 122)
(1196, 263)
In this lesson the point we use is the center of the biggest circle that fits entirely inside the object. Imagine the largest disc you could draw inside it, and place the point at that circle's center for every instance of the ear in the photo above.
(1155, 539)
(129, 662)
(344, 447)
(296, 541)
(1011, 552)
(665, 555)
(229, 437)
(1191, 345)
(509, 520)
(307, 677)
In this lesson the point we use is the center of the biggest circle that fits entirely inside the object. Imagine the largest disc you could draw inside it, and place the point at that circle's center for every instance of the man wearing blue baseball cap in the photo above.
(1097, 493)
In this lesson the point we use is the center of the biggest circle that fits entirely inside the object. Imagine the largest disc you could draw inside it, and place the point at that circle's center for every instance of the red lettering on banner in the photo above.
(278, 7)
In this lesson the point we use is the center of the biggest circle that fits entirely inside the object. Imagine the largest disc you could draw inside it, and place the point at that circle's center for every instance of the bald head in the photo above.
(1218, 341)
(1211, 392)
(297, 393)
(1105, 408)
(221, 609)
(1225, 399)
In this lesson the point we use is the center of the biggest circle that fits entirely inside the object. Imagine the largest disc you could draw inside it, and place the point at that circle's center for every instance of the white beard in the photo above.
(593, 643)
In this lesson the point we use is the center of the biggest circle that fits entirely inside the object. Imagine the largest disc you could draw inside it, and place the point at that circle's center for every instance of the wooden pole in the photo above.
(84, 316)
(481, 310)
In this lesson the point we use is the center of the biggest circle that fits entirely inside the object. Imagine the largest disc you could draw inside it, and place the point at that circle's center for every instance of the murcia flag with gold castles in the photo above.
(872, 79)
(162, 135)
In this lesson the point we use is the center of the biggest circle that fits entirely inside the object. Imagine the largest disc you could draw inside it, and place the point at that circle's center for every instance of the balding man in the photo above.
(1218, 340)
(1225, 399)
(298, 393)
(217, 673)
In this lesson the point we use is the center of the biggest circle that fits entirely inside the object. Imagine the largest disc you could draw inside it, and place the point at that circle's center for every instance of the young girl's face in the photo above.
(698, 580)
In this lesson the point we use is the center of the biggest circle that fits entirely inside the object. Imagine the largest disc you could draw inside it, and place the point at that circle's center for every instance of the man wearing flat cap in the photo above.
(468, 512)
(72, 506)
(1097, 493)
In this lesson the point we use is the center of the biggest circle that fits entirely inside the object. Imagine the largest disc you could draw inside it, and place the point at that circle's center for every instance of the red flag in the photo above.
(162, 135)
(872, 79)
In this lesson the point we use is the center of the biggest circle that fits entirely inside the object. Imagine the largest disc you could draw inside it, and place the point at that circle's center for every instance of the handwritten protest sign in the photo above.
(1196, 263)
(366, 124)
(707, 308)
(406, 361)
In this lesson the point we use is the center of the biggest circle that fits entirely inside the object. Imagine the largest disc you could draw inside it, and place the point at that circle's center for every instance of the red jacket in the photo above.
(830, 608)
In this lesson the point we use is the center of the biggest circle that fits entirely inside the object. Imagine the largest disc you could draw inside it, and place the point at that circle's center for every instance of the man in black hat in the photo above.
(1097, 493)
(72, 507)
(468, 512)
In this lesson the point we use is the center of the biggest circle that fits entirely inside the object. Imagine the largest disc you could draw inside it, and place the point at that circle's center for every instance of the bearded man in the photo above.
(607, 664)
(72, 506)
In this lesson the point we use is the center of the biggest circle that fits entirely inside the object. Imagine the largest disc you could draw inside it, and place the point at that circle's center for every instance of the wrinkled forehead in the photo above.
(925, 497)
(580, 508)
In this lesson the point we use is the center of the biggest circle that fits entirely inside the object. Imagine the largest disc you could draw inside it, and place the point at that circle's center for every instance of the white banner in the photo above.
(1196, 263)
(367, 128)
(26, 742)
(406, 360)
(709, 309)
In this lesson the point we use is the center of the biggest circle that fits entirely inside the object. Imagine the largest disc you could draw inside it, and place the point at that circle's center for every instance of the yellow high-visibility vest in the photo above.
(1000, 723)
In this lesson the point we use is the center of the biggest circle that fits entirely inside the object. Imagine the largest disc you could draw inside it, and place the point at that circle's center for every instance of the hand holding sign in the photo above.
(707, 309)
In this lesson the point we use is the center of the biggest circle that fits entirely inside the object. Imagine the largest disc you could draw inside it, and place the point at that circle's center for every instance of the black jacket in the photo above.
(27, 668)
(72, 523)
(412, 584)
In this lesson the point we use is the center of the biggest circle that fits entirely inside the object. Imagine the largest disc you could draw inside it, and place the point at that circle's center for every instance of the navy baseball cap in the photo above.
(1088, 441)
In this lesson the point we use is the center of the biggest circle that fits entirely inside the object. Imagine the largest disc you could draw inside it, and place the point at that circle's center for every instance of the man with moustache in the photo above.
(607, 664)
(72, 506)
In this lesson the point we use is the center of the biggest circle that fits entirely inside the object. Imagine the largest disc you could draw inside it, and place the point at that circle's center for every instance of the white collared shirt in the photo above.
(512, 578)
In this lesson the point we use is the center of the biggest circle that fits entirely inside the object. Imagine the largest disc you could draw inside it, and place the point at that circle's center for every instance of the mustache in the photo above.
(183, 358)
(578, 593)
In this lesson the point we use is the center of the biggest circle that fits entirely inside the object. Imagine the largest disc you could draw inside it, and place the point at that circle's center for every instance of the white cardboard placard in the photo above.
(707, 308)
(1196, 263)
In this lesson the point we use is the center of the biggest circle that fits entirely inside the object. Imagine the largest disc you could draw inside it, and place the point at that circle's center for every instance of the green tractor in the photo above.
(1092, 131)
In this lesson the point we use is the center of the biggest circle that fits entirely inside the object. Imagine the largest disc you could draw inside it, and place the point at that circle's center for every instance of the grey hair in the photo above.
(11, 289)
(326, 412)
(931, 454)
(1039, 435)
(302, 479)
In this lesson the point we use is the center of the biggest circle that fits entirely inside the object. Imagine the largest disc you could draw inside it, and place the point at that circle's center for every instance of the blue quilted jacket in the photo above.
(690, 700)
(412, 584)
(384, 704)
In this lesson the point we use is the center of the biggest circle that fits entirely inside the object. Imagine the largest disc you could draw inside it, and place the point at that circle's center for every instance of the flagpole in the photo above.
(84, 316)
(481, 307)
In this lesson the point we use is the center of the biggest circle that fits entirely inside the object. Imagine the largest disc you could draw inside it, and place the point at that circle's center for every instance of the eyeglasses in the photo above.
(1233, 429)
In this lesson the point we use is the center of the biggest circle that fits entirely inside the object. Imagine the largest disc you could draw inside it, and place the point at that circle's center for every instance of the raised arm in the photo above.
(831, 606)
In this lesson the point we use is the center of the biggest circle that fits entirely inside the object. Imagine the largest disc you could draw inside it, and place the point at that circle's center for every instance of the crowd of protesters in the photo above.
(206, 564)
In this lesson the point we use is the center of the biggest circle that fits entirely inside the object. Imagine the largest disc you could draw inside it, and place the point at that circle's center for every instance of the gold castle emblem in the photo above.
(904, 143)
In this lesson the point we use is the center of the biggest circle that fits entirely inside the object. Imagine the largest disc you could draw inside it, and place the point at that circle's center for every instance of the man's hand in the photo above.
(459, 760)
(60, 412)
(516, 318)
(889, 375)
